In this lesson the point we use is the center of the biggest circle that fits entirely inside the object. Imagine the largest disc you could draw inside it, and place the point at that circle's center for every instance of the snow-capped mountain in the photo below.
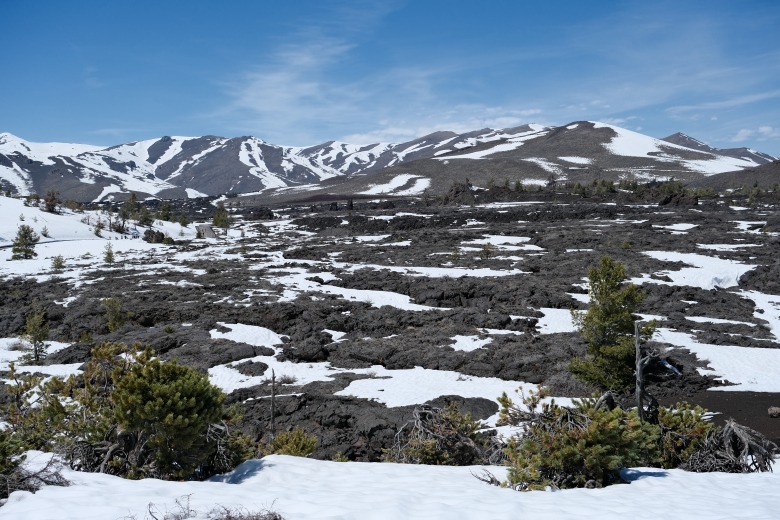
(738, 153)
(178, 167)
(175, 166)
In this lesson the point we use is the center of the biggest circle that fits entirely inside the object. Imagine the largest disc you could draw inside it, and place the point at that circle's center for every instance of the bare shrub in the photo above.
(183, 510)
(22, 479)
(734, 448)
(224, 513)
(443, 436)
(287, 380)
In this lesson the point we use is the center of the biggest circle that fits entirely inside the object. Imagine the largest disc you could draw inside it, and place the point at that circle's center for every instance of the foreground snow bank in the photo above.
(301, 488)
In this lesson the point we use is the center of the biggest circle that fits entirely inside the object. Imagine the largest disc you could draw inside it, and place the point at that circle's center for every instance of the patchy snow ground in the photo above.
(469, 343)
(555, 321)
(300, 488)
(391, 387)
(747, 369)
(71, 235)
(706, 272)
(10, 353)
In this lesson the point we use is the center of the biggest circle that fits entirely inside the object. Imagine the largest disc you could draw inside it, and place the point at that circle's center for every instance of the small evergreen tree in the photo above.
(108, 254)
(11, 458)
(579, 446)
(23, 246)
(58, 263)
(128, 210)
(164, 213)
(221, 217)
(486, 251)
(29, 414)
(36, 332)
(608, 328)
(130, 414)
(145, 217)
(132, 203)
(587, 444)
(115, 318)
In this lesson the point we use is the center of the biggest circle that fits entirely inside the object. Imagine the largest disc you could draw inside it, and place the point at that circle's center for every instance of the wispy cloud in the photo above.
(629, 68)
(762, 133)
(722, 104)
(457, 119)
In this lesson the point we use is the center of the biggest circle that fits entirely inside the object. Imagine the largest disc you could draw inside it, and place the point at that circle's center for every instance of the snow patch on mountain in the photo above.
(395, 183)
(634, 144)
(512, 141)
(545, 165)
(576, 160)
(41, 152)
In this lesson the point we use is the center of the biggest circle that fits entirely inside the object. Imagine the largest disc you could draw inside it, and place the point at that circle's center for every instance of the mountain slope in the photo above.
(578, 152)
(177, 167)
(738, 153)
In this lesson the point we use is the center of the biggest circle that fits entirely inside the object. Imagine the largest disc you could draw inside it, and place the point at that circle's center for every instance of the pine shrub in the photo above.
(296, 442)
(581, 446)
(36, 332)
(129, 414)
(115, 318)
(108, 254)
(588, 444)
(168, 408)
(683, 430)
(11, 459)
(222, 218)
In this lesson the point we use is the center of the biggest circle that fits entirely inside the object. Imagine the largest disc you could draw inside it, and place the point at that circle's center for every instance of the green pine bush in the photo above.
(129, 414)
(683, 430)
(23, 245)
(168, 408)
(11, 459)
(588, 446)
(296, 442)
(578, 447)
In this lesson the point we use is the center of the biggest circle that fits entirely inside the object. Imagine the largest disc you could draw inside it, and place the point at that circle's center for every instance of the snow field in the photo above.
(300, 488)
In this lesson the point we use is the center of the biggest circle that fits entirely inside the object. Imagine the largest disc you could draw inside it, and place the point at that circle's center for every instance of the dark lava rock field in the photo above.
(480, 290)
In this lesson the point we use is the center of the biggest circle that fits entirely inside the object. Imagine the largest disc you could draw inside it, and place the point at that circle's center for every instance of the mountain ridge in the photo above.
(179, 166)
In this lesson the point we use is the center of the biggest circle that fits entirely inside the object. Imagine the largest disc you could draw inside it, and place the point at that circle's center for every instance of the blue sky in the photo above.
(304, 72)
